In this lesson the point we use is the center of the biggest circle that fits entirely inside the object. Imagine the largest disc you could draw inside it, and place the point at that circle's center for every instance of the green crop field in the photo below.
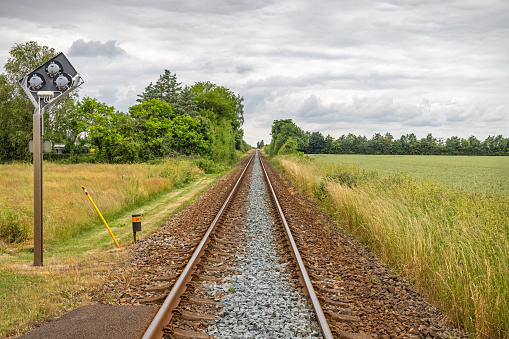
(485, 174)
(441, 222)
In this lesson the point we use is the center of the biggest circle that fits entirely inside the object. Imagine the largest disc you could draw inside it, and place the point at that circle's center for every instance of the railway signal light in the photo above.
(45, 86)
(53, 68)
(56, 75)
(36, 81)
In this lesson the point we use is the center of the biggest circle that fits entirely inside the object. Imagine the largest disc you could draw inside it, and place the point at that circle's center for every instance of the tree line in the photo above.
(168, 120)
(289, 138)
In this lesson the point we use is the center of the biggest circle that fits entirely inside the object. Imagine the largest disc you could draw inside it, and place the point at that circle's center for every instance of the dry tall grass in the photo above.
(67, 211)
(452, 245)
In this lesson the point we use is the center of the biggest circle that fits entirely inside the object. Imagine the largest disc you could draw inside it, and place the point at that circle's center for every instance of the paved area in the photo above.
(98, 321)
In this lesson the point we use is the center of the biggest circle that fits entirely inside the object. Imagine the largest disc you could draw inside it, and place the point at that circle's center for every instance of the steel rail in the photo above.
(304, 275)
(163, 316)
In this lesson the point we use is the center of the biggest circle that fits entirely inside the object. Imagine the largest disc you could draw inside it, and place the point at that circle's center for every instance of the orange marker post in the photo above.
(104, 221)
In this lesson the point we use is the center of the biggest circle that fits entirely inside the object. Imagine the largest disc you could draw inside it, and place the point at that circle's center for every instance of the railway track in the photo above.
(246, 280)
(190, 308)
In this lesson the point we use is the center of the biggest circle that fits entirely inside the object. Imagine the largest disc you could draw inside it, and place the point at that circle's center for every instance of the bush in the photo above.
(289, 147)
(11, 229)
(81, 158)
(208, 166)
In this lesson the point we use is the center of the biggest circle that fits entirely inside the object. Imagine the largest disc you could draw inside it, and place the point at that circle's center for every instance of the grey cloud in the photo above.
(386, 7)
(385, 109)
(354, 108)
(497, 114)
(199, 6)
(110, 48)
(242, 69)
(206, 66)
(106, 94)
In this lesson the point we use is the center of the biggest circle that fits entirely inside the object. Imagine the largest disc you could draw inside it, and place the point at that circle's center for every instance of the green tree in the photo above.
(465, 148)
(429, 145)
(346, 143)
(327, 149)
(336, 147)
(153, 126)
(16, 121)
(65, 122)
(414, 146)
(316, 143)
(387, 143)
(189, 136)
(111, 133)
(359, 144)
(223, 142)
(500, 145)
(375, 145)
(284, 129)
(405, 146)
(453, 146)
(217, 102)
(186, 103)
(289, 147)
(475, 146)
(397, 147)
(203, 119)
(166, 89)
(223, 111)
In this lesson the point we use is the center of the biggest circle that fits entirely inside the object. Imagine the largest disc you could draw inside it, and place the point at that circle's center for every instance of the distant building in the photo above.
(59, 148)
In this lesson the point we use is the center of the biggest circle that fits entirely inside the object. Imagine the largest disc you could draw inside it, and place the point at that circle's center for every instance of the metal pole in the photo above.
(37, 136)
(101, 216)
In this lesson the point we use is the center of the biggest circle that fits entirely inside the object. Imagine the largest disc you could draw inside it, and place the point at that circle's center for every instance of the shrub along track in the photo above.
(360, 297)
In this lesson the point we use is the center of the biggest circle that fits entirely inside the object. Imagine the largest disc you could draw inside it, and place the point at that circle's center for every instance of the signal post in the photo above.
(45, 86)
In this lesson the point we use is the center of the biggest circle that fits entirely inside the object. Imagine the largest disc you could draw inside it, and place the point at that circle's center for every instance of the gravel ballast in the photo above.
(262, 302)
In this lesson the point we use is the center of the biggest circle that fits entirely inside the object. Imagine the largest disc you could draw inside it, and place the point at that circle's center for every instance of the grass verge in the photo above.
(75, 266)
(451, 244)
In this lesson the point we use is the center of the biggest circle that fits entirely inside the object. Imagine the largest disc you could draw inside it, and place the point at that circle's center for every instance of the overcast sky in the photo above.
(334, 66)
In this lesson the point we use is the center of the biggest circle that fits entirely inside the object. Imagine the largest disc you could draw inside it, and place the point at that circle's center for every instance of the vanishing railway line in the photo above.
(189, 309)
(226, 267)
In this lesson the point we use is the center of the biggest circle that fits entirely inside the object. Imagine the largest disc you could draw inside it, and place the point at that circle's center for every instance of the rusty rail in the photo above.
(303, 275)
(163, 316)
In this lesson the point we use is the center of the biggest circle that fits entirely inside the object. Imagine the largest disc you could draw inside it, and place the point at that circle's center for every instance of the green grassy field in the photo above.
(485, 174)
(449, 239)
